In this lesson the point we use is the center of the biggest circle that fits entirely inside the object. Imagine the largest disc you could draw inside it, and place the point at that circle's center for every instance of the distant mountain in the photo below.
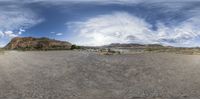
(30, 43)
(132, 45)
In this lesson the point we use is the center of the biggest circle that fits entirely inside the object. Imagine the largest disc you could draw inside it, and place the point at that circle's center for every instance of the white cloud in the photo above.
(59, 34)
(10, 34)
(122, 27)
(1, 34)
(21, 31)
(117, 27)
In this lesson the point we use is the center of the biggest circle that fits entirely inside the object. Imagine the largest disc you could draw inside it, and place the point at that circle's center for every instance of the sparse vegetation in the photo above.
(75, 47)
(108, 52)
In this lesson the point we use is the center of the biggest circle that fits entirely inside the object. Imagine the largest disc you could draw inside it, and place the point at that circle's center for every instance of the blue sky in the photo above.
(101, 22)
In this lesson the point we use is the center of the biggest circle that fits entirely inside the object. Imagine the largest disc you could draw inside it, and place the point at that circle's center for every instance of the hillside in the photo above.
(30, 43)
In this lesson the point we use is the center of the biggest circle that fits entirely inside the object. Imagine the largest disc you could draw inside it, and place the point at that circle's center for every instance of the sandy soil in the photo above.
(83, 75)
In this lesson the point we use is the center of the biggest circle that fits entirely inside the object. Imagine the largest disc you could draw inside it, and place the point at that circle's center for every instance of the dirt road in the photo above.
(83, 75)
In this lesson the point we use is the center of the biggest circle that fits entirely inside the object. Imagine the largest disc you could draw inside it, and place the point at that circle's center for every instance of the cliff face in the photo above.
(30, 43)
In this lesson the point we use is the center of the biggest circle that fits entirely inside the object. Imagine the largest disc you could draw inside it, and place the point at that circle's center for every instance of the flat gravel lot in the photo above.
(84, 75)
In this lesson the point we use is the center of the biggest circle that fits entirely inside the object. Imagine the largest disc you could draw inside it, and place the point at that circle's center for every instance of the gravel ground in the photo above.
(83, 75)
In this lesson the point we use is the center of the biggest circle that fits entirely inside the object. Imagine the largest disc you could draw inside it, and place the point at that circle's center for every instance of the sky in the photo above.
(102, 22)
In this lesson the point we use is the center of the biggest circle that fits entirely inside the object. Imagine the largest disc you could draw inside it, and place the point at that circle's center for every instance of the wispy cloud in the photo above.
(122, 27)
(14, 19)
(10, 34)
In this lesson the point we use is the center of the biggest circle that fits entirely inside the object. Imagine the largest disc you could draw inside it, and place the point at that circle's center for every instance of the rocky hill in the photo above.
(30, 43)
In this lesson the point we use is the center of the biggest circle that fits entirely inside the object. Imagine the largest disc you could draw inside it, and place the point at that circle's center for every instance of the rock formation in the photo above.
(30, 43)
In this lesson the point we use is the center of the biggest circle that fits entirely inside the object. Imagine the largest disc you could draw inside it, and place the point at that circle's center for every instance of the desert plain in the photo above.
(87, 75)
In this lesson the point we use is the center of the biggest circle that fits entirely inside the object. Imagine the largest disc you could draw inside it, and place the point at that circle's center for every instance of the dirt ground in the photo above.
(84, 75)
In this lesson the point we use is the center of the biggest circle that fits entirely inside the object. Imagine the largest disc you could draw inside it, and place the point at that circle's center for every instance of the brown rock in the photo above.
(30, 43)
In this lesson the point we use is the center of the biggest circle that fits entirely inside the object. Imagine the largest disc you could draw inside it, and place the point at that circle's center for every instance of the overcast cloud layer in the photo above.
(101, 22)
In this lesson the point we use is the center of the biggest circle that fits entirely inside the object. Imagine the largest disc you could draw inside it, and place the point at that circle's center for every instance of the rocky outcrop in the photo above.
(30, 43)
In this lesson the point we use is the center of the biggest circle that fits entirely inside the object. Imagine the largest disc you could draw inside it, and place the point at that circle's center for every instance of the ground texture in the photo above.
(83, 75)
